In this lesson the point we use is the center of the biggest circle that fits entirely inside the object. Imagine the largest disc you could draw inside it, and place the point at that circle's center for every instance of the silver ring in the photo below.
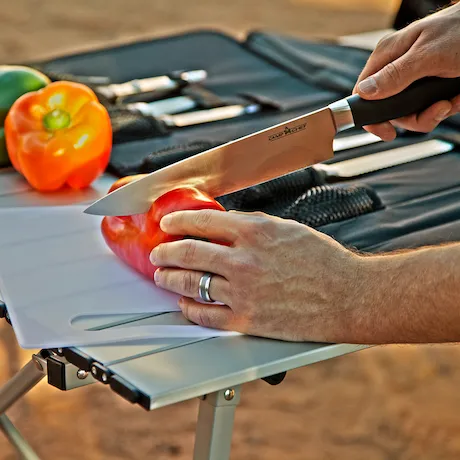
(203, 287)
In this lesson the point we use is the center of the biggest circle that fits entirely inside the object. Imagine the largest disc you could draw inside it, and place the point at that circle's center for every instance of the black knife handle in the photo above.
(414, 99)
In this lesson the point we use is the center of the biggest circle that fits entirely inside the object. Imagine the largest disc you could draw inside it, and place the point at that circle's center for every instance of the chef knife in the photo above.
(272, 152)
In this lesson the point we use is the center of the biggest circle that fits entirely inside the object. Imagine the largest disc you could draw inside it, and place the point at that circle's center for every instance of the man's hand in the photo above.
(281, 279)
(277, 278)
(429, 47)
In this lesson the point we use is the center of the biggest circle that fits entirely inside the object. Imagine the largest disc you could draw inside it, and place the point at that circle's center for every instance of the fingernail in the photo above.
(368, 86)
(153, 256)
(442, 115)
(156, 276)
(165, 222)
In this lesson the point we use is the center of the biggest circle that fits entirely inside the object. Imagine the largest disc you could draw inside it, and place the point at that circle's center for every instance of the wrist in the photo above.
(409, 296)
(376, 299)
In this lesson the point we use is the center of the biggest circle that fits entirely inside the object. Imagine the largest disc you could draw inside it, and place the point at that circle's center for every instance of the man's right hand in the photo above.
(429, 47)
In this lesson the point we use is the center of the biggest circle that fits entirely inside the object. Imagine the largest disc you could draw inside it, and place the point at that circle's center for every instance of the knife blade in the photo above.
(382, 160)
(272, 152)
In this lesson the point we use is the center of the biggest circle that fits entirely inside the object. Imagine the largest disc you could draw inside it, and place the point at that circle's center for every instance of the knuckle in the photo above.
(242, 297)
(262, 228)
(186, 282)
(425, 128)
(258, 214)
(216, 258)
(268, 226)
(186, 312)
(161, 252)
(384, 42)
(248, 229)
(203, 219)
(189, 251)
(246, 266)
(393, 73)
(266, 231)
(202, 318)
(177, 219)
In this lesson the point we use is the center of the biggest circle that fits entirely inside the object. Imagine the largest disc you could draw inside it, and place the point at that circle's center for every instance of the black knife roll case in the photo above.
(419, 202)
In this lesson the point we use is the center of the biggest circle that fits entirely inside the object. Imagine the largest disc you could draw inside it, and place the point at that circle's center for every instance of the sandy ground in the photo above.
(386, 403)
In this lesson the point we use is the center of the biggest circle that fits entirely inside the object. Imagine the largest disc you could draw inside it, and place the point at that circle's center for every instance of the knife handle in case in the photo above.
(414, 99)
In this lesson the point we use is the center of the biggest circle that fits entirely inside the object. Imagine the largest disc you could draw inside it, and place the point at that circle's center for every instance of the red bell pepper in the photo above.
(132, 238)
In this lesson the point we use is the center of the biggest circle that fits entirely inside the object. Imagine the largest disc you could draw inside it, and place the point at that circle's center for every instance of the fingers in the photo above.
(393, 78)
(385, 131)
(428, 120)
(456, 105)
(389, 49)
(206, 315)
(193, 255)
(206, 223)
(186, 283)
(424, 122)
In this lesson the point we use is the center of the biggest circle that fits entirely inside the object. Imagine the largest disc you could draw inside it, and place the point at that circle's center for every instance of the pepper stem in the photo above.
(56, 119)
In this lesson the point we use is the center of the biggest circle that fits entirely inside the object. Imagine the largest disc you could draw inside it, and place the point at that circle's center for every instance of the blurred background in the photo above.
(386, 403)
(33, 29)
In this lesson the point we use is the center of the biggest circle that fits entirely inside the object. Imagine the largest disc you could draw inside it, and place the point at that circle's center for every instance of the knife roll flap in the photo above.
(415, 99)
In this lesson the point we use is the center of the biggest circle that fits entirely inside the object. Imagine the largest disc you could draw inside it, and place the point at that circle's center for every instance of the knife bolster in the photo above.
(342, 115)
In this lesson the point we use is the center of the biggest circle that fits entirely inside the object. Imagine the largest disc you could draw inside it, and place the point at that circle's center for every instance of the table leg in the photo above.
(22, 382)
(215, 425)
(13, 390)
(16, 439)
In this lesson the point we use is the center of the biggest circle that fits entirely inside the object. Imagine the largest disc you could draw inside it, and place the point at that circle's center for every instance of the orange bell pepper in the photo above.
(59, 135)
(132, 238)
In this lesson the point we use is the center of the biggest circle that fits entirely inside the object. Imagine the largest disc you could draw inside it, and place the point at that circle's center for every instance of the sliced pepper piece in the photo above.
(132, 238)
(60, 135)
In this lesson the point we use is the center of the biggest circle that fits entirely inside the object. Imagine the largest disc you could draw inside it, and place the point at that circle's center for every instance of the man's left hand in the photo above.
(274, 278)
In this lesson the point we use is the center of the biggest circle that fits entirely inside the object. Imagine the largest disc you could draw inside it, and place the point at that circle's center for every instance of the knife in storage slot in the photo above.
(382, 160)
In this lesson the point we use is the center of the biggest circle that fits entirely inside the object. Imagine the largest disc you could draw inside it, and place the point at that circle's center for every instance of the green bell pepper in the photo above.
(15, 81)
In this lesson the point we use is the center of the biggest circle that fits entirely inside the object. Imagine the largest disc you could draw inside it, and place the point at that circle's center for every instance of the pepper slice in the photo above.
(132, 238)
(59, 135)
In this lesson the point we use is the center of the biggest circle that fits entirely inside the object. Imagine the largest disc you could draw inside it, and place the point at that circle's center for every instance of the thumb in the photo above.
(391, 79)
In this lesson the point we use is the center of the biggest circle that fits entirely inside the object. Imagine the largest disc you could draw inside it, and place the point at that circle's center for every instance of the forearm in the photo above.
(410, 297)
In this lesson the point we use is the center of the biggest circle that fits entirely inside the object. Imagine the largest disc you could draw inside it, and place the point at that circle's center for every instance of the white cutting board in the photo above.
(55, 267)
